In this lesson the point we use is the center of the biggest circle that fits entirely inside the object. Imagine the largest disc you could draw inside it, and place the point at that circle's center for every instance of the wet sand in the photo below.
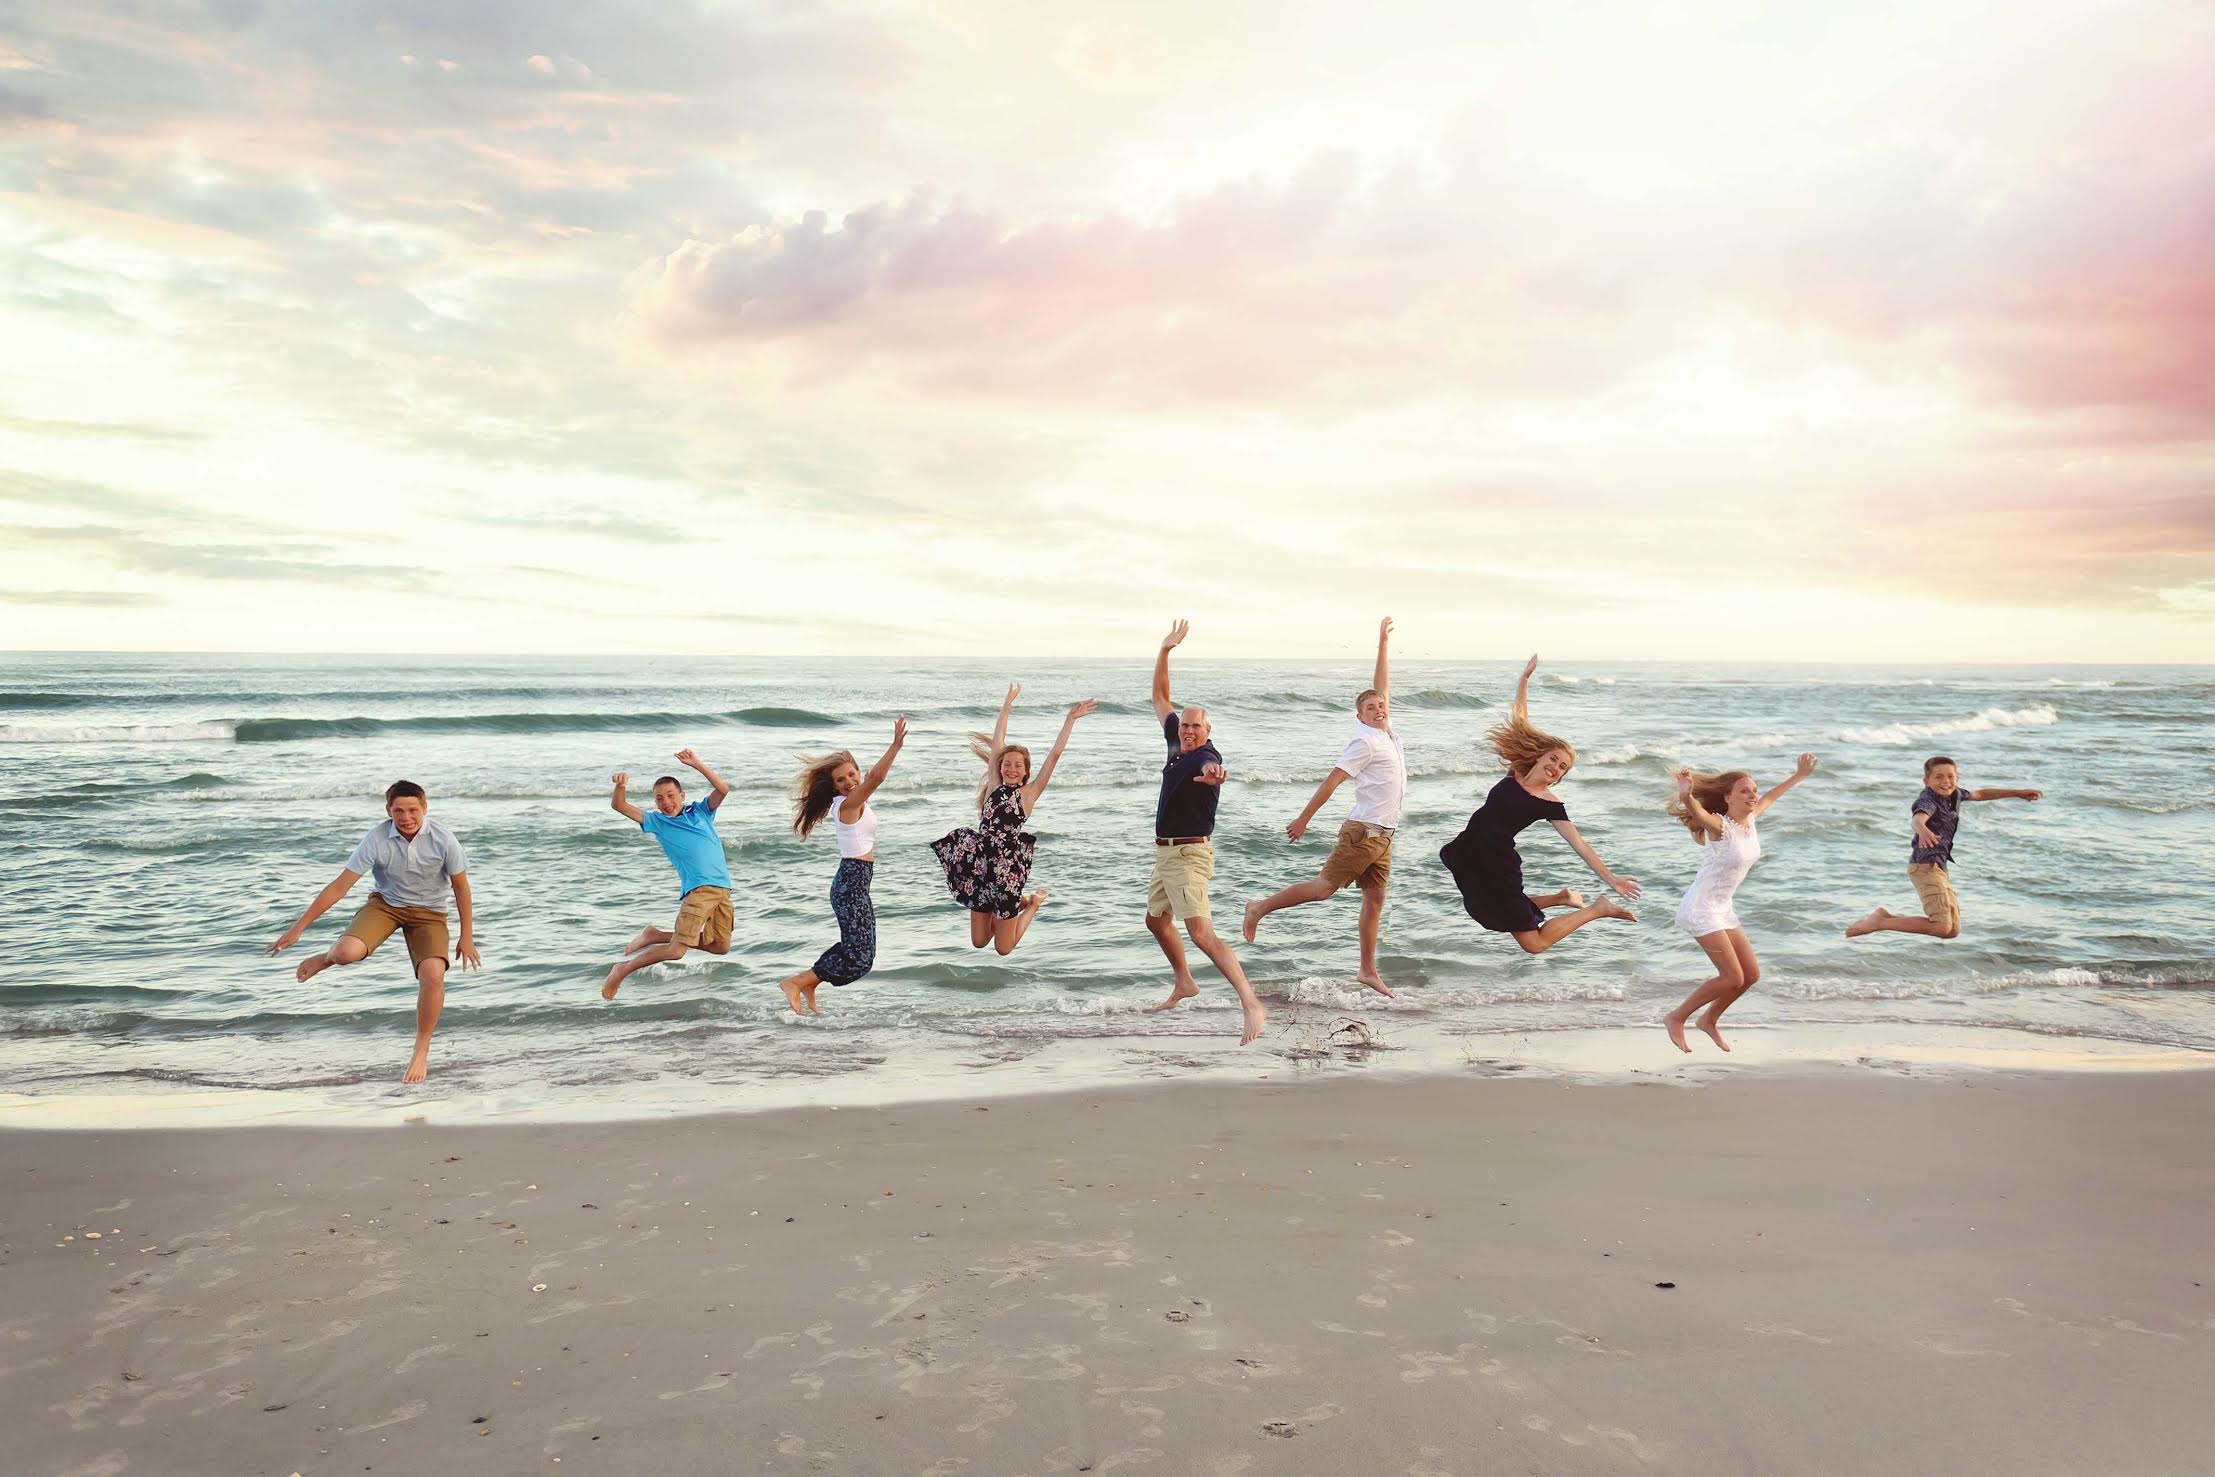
(1934, 1272)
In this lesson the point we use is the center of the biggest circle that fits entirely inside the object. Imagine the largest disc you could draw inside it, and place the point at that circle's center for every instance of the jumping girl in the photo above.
(835, 786)
(987, 864)
(1483, 859)
(1720, 810)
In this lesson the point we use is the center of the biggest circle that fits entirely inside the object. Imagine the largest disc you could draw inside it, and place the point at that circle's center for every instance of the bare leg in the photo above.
(1372, 916)
(980, 928)
(1211, 944)
(1554, 930)
(1568, 897)
(1008, 932)
(654, 954)
(1749, 971)
(430, 999)
(348, 950)
(1164, 930)
(1312, 891)
(799, 992)
(646, 938)
(1728, 980)
(1884, 921)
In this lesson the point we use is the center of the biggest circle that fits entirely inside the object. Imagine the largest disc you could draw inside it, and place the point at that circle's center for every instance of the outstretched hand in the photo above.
(1013, 689)
(687, 758)
(1176, 635)
(1627, 886)
(1806, 767)
(1530, 666)
(1684, 780)
(1084, 709)
(1295, 829)
(1384, 629)
(1211, 774)
(900, 730)
(285, 941)
(621, 779)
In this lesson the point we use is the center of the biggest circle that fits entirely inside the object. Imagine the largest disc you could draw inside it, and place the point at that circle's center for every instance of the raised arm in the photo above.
(1297, 827)
(2005, 795)
(1776, 792)
(465, 909)
(622, 800)
(718, 792)
(1383, 680)
(1162, 704)
(1701, 815)
(1000, 729)
(1523, 691)
(1626, 885)
(325, 900)
(881, 768)
(1037, 786)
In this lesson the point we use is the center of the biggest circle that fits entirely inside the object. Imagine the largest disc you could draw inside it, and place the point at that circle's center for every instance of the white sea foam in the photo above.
(125, 733)
(2036, 715)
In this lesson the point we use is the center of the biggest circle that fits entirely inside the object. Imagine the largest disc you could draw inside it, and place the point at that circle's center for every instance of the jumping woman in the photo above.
(1483, 859)
(835, 786)
(988, 863)
(1720, 810)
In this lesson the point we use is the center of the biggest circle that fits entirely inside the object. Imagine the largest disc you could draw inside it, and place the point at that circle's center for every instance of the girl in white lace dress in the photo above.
(1720, 811)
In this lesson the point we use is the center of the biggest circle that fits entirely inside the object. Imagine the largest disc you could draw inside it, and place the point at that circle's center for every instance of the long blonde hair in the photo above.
(1713, 793)
(813, 793)
(1520, 746)
(980, 744)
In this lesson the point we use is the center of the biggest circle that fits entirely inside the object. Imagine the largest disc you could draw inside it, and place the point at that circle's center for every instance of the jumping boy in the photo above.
(687, 836)
(1936, 813)
(415, 862)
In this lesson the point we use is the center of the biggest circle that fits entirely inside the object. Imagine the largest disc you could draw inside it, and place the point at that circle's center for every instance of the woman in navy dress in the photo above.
(988, 864)
(1485, 864)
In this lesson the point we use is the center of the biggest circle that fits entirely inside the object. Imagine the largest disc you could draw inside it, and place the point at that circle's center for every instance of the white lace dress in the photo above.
(1724, 862)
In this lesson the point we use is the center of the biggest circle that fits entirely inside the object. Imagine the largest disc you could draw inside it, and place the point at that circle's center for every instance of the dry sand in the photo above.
(1871, 1273)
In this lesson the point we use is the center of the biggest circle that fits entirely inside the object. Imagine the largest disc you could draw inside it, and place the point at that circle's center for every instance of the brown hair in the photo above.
(1520, 746)
(1713, 793)
(1366, 694)
(981, 746)
(813, 793)
(1933, 762)
(670, 779)
(404, 790)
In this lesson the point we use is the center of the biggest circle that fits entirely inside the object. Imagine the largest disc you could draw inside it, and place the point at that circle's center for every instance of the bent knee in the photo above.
(1949, 930)
(1531, 943)
(1750, 978)
(349, 950)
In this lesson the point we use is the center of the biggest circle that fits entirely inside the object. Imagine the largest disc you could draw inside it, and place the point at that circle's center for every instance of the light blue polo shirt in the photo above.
(688, 839)
(411, 874)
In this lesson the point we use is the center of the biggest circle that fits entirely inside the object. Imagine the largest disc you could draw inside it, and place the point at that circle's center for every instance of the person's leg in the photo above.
(1164, 930)
(1212, 944)
(1941, 909)
(1749, 973)
(1727, 981)
(430, 999)
(1351, 855)
(1554, 930)
(1567, 897)
(980, 929)
(373, 922)
(1314, 890)
(855, 953)
(799, 991)
(1372, 918)
(646, 938)
(1008, 932)
(650, 955)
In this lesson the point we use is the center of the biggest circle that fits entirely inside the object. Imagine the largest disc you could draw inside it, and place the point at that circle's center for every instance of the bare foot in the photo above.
(1609, 908)
(419, 1067)
(1257, 1016)
(1571, 898)
(1035, 901)
(794, 997)
(1707, 1024)
(613, 983)
(1252, 920)
(807, 993)
(1854, 930)
(311, 966)
(1375, 982)
(639, 941)
(1674, 1025)
(1185, 990)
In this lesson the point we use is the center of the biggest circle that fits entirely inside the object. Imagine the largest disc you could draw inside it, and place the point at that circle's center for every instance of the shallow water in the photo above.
(167, 816)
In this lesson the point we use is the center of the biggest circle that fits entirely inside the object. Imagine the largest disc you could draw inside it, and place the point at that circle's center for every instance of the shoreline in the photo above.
(1422, 1275)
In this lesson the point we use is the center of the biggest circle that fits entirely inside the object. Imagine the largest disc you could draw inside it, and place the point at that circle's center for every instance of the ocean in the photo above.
(167, 816)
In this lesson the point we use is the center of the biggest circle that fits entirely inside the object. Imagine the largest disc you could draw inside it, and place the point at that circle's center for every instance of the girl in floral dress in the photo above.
(988, 864)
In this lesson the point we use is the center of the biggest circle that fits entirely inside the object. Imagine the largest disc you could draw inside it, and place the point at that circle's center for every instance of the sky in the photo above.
(1731, 331)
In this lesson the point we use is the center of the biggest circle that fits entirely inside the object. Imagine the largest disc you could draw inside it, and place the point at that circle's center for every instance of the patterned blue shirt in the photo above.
(1943, 815)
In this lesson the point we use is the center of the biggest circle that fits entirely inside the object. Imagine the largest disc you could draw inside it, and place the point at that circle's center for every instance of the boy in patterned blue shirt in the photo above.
(1935, 815)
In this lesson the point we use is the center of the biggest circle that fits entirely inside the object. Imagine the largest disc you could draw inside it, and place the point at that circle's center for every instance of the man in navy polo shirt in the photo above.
(1184, 851)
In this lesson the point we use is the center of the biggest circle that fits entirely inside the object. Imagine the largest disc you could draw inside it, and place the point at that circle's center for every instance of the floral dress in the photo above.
(987, 864)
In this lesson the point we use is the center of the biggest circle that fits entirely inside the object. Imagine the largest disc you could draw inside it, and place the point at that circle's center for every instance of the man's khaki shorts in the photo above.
(1179, 884)
(1363, 854)
(423, 928)
(704, 919)
(1936, 889)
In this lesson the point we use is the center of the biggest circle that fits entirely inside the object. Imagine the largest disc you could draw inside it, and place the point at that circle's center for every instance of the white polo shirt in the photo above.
(1378, 765)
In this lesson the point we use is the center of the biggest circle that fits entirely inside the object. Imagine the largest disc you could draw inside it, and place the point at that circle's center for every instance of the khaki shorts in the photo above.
(1363, 854)
(1179, 884)
(1936, 889)
(424, 929)
(704, 919)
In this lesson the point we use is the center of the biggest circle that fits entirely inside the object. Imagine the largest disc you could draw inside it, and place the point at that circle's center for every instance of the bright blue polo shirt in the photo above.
(688, 839)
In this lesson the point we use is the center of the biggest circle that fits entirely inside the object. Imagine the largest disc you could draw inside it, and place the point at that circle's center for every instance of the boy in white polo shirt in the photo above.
(416, 863)
(1376, 763)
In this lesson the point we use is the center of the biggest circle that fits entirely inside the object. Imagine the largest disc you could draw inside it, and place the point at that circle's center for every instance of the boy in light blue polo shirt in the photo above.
(687, 836)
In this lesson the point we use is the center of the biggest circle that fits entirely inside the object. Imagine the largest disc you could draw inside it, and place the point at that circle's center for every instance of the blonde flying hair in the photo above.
(1713, 793)
(813, 793)
(1520, 746)
(980, 744)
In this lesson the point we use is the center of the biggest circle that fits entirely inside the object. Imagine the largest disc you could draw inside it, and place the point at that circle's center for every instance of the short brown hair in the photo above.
(405, 790)
(1366, 694)
(1933, 762)
(670, 779)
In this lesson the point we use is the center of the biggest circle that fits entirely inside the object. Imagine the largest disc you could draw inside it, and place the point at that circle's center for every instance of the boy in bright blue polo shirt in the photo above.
(688, 839)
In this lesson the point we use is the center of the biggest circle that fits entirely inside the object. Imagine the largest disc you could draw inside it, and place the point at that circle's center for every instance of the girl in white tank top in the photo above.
(1720, 811)
(825, 788)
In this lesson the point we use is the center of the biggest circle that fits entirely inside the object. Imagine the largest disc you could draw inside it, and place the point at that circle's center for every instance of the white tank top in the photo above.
(1724, 862)
(860, 838)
